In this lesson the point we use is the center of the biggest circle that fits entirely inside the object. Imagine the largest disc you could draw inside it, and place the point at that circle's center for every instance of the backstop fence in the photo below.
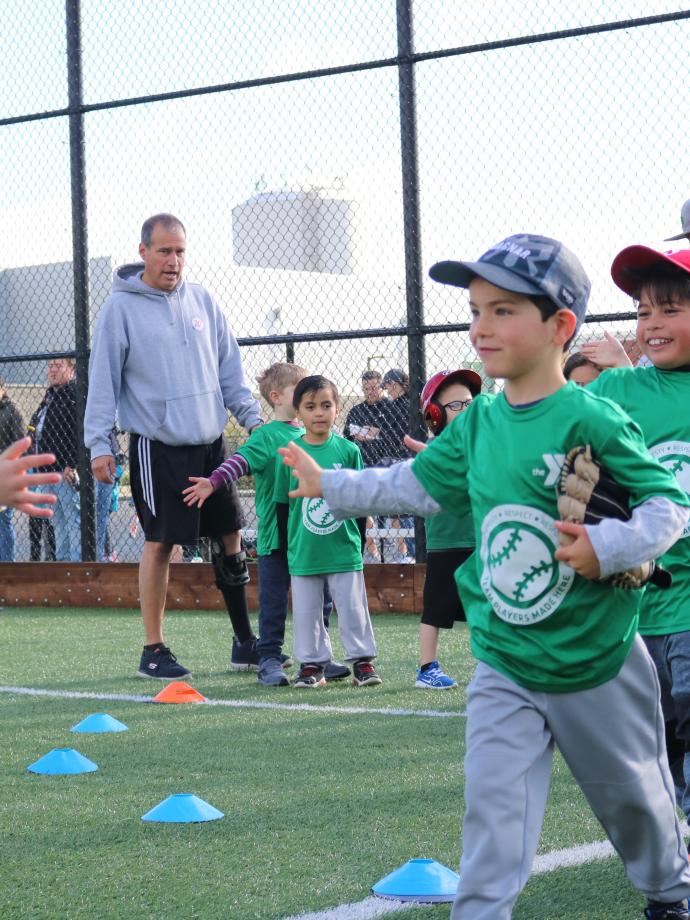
(321, 155)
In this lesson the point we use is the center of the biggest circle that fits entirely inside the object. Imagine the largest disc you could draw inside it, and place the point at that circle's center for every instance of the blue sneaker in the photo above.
(271, 673)
(433, 678)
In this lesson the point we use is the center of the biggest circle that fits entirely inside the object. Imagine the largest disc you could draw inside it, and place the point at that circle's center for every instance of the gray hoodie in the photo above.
(168, 362)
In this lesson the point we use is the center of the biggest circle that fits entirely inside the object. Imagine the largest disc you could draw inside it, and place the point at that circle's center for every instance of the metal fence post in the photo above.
(416, 356)
(80, 262)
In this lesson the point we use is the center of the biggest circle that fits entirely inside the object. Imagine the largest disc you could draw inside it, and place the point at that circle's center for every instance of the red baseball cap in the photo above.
(631, 263)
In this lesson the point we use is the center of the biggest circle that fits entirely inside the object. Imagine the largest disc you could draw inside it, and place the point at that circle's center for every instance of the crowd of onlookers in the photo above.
(53, 429)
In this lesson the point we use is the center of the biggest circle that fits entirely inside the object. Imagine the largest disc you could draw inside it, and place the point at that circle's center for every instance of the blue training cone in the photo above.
(63, 761)
(423, 880)
(99, 722)
(182, 808)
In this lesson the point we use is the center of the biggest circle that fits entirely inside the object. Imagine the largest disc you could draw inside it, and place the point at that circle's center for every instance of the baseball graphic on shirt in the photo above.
(317, 517)
(675, 456)
(520, 576)
(197, 323)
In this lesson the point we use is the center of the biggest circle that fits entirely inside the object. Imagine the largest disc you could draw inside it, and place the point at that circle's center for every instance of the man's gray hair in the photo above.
(169, 221)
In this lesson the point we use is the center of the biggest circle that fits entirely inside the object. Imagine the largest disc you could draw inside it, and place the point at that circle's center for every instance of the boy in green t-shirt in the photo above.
(657, 398)
(449, 540)
(322, 550)
(560, 662)
(257, 457)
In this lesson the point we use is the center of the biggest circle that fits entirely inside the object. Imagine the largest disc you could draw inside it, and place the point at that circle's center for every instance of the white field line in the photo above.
(372, 908)
(239, 704)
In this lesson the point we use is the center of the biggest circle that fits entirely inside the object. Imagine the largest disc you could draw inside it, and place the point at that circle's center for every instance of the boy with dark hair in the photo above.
(559, 658)
(257, 457)
(657, 398)
(322, 550)
(580, 369)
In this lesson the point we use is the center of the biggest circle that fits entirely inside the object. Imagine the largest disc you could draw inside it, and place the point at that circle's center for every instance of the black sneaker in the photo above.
(310, 675)
(244, 655)
(365, 674)
(334, 670)
(658, 910)
(162, 664)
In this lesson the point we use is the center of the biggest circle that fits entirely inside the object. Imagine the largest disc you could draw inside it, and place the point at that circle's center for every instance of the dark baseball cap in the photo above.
(630, 265)
(684, 222)
(526, 264)
(394, 375)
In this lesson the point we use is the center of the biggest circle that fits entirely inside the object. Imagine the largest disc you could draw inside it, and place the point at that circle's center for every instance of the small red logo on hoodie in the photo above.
(197, 323)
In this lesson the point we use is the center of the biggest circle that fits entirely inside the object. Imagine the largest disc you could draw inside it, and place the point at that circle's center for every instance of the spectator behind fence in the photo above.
(107, 496)
(364, 425)
(11, 430)
(54, 428)
(366, 420)
(163, 354)
(396, 426)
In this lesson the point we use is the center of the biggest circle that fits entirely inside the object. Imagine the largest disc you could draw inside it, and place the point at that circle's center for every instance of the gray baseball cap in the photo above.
(684, 222)
(526, 264)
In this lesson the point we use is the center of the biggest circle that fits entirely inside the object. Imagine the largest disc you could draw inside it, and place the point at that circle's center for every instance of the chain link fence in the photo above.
(321, 155)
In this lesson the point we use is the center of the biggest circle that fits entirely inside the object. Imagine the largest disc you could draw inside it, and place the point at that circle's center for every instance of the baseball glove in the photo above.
(588, 494)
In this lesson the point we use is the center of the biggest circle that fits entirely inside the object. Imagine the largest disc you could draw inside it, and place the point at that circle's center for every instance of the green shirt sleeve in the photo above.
(442, 468)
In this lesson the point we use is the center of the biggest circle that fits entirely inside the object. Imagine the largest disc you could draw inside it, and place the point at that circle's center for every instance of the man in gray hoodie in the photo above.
(165, 359)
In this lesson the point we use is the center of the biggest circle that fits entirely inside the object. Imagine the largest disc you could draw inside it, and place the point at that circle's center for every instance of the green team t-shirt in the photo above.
(317, 543)
(260, 452)
(535, 620)
(658, 401)
(445, 531)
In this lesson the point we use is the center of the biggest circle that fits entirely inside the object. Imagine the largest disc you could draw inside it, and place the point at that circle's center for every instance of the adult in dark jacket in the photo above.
(397, 425)
(11, 429)
(365, 420)
(54, 430)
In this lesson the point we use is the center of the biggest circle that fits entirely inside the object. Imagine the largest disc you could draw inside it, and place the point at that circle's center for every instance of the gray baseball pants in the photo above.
(311, 643)
(611, 737)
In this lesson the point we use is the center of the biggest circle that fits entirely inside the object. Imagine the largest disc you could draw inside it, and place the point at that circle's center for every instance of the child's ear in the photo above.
(566, 322)
(273, 396)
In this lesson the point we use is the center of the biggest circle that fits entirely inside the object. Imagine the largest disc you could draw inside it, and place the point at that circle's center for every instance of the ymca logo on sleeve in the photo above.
(317, 517)
(520, 576)
(675, 456)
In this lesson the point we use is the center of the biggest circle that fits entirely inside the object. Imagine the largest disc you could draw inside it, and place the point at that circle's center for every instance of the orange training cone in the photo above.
(179, 692)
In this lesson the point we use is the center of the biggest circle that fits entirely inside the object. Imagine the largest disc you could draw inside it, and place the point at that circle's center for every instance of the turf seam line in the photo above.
(239, 704)
(371, 908)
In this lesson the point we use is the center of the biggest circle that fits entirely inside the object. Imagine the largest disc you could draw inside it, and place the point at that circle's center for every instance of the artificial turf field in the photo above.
(320, 801)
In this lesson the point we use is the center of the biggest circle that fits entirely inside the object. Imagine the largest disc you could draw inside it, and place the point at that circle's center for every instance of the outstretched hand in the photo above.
(16, 481)
(415, 446)
(199, 492)
(305, 469)
(606, 352)
(576, 549)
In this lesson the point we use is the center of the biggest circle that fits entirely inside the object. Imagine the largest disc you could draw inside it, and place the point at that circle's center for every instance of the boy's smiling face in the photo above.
(663, 330)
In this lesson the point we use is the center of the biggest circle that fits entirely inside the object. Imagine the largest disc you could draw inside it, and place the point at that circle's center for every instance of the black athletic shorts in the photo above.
(442, 605)
(159, 473)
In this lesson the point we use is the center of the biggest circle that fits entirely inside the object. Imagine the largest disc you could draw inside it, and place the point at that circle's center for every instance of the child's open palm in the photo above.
(199, 492)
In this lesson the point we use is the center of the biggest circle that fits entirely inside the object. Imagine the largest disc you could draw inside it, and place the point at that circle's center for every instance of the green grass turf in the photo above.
(319, 805)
